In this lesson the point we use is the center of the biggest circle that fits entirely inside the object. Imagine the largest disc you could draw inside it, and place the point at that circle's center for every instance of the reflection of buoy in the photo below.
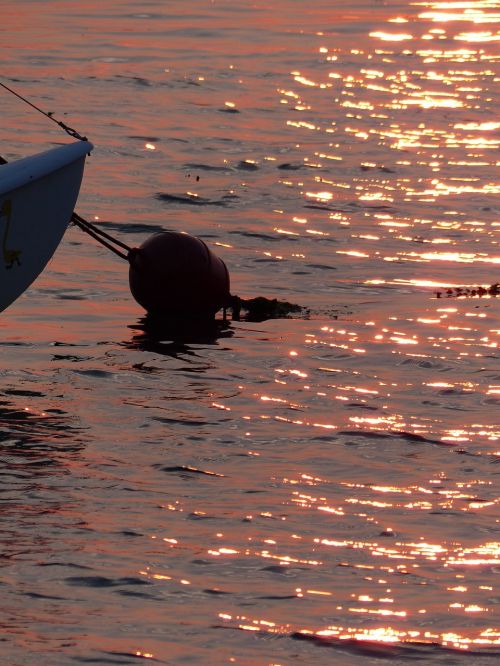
(176, 274)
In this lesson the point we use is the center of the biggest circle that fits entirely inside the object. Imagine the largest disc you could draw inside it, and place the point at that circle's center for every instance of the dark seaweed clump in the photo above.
(260, 308)
(493, 290)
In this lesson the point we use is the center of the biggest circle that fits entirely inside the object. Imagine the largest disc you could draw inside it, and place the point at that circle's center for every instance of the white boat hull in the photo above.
(37, 198)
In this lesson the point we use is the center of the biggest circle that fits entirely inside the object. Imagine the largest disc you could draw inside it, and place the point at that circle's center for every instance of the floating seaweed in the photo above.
(493, 290)
(260, 308)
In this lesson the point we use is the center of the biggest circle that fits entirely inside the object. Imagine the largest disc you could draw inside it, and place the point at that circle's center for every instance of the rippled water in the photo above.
(322, 489)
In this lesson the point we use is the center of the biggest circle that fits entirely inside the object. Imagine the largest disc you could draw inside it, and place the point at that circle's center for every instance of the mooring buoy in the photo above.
(176, 274)
(177, 279)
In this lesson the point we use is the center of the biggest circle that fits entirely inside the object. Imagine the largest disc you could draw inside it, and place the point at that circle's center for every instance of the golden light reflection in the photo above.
(470, 15)
(391, 36)
(320, 196)
(485, 36)
(383, 635)
(398, 178)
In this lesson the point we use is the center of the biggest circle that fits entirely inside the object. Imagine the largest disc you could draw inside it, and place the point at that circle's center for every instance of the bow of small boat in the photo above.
(37, 198)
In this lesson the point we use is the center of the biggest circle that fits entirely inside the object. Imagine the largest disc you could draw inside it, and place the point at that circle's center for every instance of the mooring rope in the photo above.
(101, 236)
(69, 130)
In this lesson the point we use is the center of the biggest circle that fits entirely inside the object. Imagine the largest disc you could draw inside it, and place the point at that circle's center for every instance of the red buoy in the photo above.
(176, 274)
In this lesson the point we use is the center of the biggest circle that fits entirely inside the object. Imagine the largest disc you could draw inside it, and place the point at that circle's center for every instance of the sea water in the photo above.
(317, 489)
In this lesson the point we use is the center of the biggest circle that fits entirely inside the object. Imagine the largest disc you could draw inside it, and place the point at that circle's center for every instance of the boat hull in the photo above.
(37, 198)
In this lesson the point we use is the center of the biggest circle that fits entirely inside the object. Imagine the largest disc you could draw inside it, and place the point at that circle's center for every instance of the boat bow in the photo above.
(37, 198)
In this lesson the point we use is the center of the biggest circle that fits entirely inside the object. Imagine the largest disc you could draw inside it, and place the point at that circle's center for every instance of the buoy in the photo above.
(176, 274)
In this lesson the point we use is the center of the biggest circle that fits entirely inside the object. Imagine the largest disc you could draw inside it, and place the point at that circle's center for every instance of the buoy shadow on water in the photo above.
(171, 336)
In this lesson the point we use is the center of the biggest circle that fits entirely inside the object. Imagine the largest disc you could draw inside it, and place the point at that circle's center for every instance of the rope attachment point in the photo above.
(69, 130)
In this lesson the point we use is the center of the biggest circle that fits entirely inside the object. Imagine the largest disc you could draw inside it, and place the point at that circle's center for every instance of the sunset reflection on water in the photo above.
(417, 158)
(327, 479)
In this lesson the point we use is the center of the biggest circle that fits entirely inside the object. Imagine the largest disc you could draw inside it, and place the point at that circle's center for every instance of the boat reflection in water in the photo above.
(37, 450)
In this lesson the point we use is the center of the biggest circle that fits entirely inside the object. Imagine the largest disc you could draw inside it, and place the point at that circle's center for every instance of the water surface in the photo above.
(309, 490)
